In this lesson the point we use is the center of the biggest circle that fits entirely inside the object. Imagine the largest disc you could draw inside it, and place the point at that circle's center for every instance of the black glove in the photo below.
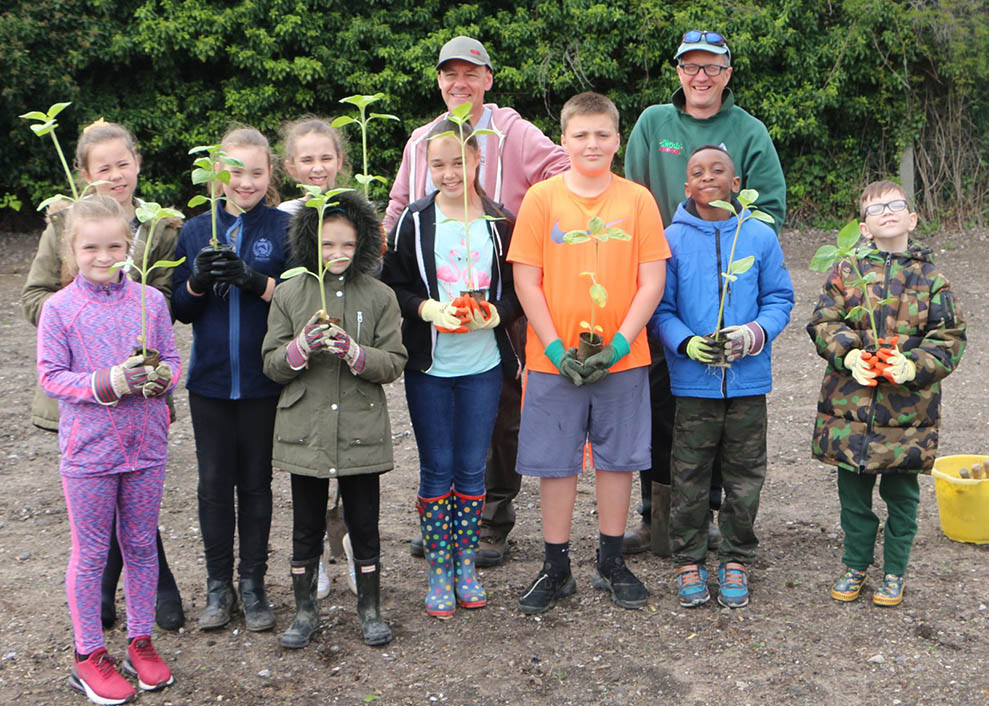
(233, 270)
(202, 276)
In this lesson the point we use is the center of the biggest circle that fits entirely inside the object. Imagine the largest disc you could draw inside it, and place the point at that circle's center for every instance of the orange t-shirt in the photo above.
(548, 211)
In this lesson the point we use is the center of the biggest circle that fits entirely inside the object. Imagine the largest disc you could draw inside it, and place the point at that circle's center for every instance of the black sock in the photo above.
(83, 658)
(558, 558)
(611, 546)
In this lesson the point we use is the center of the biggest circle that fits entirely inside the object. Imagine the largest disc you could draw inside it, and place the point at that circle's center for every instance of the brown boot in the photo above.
(661, 519)
(638, 539)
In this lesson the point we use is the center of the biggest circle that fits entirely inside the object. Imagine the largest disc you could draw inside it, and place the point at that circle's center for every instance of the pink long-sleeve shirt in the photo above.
(85, 327)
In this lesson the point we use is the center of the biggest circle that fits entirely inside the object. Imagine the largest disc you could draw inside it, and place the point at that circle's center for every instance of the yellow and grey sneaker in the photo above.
(849, 585)
(891, 591)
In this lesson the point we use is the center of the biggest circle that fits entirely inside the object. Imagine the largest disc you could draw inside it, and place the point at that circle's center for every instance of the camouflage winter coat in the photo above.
(889, 427)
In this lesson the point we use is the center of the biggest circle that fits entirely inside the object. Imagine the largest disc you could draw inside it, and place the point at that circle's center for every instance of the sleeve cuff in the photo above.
(103, 387)
(296, 359)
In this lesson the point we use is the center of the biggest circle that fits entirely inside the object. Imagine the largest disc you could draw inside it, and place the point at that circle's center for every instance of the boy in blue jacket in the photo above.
(718, 405)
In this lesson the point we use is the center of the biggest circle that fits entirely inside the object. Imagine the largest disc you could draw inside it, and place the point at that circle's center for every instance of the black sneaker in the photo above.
(626, 590)
(545, 591)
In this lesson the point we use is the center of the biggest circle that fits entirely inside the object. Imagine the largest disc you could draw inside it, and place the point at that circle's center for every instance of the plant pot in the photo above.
(152, 358)
(324, 319)
(590, 343)
(478, 295)
(720, 360)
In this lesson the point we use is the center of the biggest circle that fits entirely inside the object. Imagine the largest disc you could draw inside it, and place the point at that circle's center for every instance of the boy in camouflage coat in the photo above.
(882, 418)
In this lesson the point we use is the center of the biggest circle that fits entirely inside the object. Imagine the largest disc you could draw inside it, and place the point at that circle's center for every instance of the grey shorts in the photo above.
(559, 417)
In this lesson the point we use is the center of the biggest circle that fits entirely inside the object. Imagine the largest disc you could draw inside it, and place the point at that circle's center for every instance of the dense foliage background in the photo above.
(844, 86)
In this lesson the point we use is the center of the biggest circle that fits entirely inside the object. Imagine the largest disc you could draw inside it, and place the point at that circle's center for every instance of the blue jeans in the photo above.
(453, 419)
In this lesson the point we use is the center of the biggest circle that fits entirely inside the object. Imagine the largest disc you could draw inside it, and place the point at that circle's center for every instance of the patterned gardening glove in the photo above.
(344, 347)
(110, 384)
(202, 277)
(899, 369)
(312, 338)
(158, 380)
(566, 362)
(859, 364)
(598, 366)
(484, 316)
(231, 269)
(740, 341)
(702, 349)
(442, 315)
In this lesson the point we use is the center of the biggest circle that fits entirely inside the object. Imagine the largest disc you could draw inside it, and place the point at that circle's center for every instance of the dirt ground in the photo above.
(792, 645)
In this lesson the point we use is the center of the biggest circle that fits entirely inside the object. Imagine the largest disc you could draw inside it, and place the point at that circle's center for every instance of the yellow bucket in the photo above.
(962, 503)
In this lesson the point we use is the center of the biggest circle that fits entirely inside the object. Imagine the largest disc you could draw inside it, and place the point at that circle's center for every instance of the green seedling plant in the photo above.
(362, 102)
(153, 213)
(45, 125)
(746, 198)
(321, 201)
(211, 170)
(599, 232)
(461, 116)
(851, 249)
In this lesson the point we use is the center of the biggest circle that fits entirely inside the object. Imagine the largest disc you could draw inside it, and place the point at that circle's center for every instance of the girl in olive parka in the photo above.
(332, 419)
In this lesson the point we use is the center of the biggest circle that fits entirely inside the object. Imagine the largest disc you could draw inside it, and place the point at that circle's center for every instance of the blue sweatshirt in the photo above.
(228, 330)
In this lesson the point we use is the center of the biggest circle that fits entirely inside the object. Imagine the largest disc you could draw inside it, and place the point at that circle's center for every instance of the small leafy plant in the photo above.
(10, 201)
(149, 211)
(746, 198)
(211, 170)
(45, 125)
(850, 248)
(362, 102)
(599, 232)
(321, 201)
(460, 116)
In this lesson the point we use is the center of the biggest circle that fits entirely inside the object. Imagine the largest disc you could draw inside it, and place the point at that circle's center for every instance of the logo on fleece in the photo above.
(557, 234)
(262, 249)
(670, 147)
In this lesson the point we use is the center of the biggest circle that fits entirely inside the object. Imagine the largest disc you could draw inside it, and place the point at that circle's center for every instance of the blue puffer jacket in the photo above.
(763, 294)
(228, 331)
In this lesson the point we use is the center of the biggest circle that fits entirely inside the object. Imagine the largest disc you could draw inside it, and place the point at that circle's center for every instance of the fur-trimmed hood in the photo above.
(303, 249)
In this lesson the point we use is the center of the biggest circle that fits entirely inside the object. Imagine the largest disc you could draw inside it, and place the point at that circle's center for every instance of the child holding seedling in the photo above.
(223, 289)
(107, 153)
(458, 346)
(332, 419)
(604, 399)
(879, 407)
(719, 407)
(314, 155)
(113, 437)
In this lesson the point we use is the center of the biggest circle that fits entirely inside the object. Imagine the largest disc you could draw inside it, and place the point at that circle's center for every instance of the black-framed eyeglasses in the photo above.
(709, 69)
(696, 35)
(876, 209)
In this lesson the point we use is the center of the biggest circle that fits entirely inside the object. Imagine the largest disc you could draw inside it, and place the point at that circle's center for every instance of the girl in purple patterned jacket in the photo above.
(113, 439)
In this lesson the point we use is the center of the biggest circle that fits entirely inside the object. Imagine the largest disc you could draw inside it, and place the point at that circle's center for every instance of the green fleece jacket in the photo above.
(665, 135)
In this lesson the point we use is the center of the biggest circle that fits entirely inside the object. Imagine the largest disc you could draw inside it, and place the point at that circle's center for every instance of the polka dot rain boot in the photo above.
(466, 517)
(435, 521)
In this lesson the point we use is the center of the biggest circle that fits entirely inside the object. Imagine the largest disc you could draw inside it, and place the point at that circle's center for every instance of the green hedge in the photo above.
(843, 86)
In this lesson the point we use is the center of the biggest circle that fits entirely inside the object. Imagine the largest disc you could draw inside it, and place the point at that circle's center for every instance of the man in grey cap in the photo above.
(511, 161)
(702, 112)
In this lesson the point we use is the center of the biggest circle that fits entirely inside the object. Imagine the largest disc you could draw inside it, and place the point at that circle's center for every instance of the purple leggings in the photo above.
(91, 502)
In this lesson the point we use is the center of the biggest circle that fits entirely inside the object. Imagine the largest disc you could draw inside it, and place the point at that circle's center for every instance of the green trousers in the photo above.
(901, 493)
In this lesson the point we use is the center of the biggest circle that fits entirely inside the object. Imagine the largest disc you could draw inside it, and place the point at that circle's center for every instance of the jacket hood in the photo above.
(303, 248)
(686, 216)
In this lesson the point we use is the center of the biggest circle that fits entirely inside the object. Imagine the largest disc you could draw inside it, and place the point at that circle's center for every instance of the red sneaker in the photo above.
(97, 677)
(145, 664)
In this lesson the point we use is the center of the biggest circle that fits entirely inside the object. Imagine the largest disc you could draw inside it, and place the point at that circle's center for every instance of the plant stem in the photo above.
(319, 259)
(367, 184)
(65, 166)
(868, 302)
(463, 169)
(724, 290)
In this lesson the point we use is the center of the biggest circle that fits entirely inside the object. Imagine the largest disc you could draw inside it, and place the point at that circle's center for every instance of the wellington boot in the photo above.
(368, 574)
(466, 519)
(435, 521)
(220, 602)
(660, 519)
(258, 615)
(304, 577)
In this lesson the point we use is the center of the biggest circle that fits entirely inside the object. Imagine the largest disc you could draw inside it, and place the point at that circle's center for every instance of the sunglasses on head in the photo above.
(695, 35)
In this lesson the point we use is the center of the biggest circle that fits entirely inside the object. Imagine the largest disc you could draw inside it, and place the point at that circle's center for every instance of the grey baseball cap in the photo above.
(465, 49)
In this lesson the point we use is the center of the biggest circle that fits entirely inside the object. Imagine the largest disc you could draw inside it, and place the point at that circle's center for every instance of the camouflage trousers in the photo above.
(901, 492)
(737, 428)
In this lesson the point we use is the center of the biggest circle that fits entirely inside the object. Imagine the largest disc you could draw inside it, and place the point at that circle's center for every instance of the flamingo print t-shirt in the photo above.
(475, 351)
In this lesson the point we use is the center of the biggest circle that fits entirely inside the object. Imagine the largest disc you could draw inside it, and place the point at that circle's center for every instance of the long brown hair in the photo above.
(246, 136)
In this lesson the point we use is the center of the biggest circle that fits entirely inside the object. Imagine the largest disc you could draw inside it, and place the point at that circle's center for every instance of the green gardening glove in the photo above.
(702, 349)
(565, 361)
(597, 367)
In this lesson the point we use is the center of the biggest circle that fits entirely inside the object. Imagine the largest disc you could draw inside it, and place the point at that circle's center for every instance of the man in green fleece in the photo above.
(702, 112)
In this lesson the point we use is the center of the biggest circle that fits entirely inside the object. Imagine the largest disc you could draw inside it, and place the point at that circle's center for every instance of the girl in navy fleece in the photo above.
(224, 293)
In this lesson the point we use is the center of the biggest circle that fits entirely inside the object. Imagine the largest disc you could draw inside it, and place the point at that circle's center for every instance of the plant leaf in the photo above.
(58, 108)
(167, 263)
(723, 204)
(849, 235)
(461, 112)
(576, 236)
(383, 116)
(288, 274)
(448, 133)
(231, 161)
(748, 196)
(171, 213)
(52, 199)
(42, 129)
(197, 200)
(201, 176)
(363, 179)
(762, 216)
(855, 311)
(741, 265)
(342, 120)
(34, 115)
(486, 131)
(145, 212)
(599, 294)
(825, 258)
(202, 148)
(224, 176)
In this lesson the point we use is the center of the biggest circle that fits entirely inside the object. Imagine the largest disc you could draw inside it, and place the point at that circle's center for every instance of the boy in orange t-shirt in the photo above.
(605, 399)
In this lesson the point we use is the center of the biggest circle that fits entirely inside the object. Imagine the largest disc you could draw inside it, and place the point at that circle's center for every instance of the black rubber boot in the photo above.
(304, 576)
(375, 630)
(257, 611)
(168, 606)
(220, 602)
